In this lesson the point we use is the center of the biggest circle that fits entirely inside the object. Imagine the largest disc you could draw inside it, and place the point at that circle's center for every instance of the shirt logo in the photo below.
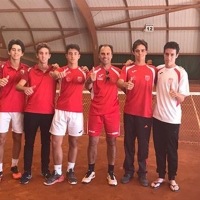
(68, 79)
(170, 80)
(79, 79)
(100, 77)
(147, 77)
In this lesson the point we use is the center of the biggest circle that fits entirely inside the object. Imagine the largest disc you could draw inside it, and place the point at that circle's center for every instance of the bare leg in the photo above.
(16, 145)
(2, 143)
(92, 149)
(111, 150)
(73, 148)
(57, 149)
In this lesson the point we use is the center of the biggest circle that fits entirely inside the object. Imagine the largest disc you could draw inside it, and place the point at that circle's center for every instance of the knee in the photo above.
(93, 142)
(56, 142)
(2, 140)
(111, 142)
(73, 142)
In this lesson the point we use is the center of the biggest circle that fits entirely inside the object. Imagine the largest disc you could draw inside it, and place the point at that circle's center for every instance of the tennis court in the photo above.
(188, 174)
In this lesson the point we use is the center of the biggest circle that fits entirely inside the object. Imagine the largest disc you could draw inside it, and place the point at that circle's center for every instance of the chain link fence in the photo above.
(190, 126)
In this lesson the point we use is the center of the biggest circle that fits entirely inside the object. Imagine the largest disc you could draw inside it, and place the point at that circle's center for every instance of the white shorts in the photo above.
(64, 120)
(17, 120)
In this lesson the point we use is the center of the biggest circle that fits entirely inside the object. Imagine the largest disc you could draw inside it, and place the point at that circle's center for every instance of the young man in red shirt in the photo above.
(40, 89)
(138, 80)
(12, 103)
(104, 111)
(68, 115)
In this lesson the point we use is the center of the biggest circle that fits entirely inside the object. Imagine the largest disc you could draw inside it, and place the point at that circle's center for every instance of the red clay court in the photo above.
(188, 173)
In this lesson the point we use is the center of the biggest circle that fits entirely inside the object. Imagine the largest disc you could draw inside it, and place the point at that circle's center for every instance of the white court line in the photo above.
(196, 113)
(121, 92)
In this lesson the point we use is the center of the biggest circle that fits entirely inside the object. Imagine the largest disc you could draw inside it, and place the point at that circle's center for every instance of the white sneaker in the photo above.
(112, 181)
(88, 177)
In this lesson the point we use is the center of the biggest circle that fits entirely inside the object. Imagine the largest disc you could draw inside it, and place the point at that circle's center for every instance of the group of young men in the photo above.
(31, 96)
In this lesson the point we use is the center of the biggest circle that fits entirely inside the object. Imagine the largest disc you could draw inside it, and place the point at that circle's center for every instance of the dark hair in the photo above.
(105, 45)
(72, 46)
(17, 42)
(139, 42)
(42, 45)
(172, 45)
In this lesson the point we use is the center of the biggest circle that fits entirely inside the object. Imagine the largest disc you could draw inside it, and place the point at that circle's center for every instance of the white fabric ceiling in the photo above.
(92, 22)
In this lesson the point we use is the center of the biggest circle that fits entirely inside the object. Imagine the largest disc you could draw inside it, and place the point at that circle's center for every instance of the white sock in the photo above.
(58, 169)
(70, 166)
(14, 162)
(1, 167)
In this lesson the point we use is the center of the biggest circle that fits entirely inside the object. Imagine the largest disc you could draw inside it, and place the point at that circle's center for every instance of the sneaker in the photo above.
(143, 180)
(126, 178)
(54, 178)
(15, 172)
(26, 176)
(46, 174)
(88, 177)
(1, 176)
(71, 177)
(112, 181)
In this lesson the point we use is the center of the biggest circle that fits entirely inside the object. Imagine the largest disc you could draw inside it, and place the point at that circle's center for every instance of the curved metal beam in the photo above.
(86, 13)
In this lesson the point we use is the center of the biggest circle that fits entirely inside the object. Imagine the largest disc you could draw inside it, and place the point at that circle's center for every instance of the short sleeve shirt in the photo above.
(71, 90)
(139, 99)
(167, 108)
(42, 101)
(104, 93)
(10, 99)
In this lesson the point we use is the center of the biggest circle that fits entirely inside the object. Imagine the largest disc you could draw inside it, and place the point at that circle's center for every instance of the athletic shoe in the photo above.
(26, 176)
(126, 178)
(111, 179)
(15, 172)
(88, 177)
(71, 177)
(46, 174)
(1, 176)
(143, 180)
(54, 178)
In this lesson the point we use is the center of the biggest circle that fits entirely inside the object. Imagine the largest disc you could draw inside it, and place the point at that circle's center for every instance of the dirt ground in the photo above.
(188, 177)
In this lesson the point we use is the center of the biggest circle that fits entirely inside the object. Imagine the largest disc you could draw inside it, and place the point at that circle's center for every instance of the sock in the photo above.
(91, 167)
(70, 166)
(58, 169)
(110, 168)
(14, 162)
(1, 167)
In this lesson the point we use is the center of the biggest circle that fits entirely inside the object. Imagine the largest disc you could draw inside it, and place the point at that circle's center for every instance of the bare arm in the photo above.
(125, 85)
(4, 81)
(22, 88)
(179, 97)
(91, 79)
(57, 74)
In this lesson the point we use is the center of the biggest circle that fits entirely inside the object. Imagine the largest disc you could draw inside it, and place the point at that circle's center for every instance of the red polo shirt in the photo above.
(43, 99)
(10, 99)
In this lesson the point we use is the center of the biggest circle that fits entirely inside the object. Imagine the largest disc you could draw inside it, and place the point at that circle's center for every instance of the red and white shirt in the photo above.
(104, 93)
(43, 99)
(71, 90)
(139, 99)
(167, 108)
(10, 99)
